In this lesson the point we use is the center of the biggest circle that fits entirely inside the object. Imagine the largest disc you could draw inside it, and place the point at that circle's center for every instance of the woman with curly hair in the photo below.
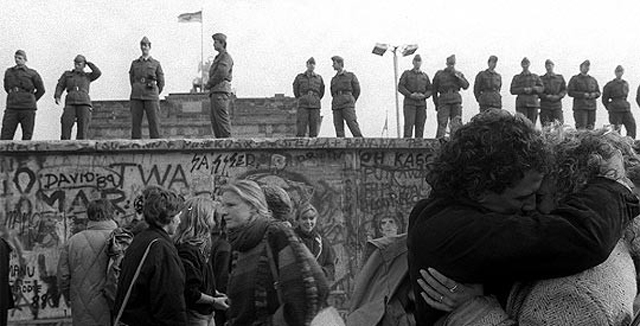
(275, 279)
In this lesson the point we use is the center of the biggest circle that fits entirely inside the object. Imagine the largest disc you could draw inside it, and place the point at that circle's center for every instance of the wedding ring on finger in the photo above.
(453, 289)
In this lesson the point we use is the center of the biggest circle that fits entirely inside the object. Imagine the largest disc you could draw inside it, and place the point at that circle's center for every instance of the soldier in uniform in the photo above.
(585, 90)
(416, 87)
(446, 94)
(24, 88)
(77, 103)
(555, 89)
(487, 87)
(219, 86)
(147, 81)
(345, 90)
(527, 86)
(308, 88)
(614, 98)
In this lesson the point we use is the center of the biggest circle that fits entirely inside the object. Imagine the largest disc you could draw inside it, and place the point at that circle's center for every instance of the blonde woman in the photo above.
(193, 241)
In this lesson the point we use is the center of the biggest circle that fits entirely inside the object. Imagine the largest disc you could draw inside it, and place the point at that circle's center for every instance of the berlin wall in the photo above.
(45, 186)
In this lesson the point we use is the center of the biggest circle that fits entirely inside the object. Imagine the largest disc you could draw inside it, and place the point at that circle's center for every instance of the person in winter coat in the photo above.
(264, 248)
(319, 246)
(157, 295)
(220, 261)
(193, 241)
(82, 267)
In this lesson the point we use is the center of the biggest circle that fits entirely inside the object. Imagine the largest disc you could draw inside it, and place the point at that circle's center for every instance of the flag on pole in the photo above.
(190, 17)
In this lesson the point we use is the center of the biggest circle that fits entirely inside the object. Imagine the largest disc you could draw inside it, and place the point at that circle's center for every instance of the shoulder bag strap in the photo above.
(274, 270)
(135, 276)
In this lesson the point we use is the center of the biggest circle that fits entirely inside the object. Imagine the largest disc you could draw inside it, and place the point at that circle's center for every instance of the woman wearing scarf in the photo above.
(263, 245)
(319, 246)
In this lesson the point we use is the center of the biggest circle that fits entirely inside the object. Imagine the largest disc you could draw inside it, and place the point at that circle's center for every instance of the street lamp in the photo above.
(405, 50)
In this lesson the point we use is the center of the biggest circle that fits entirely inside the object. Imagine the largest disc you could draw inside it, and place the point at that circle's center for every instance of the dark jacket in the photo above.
(146, 78)
(198, 278)
(614, 96)
(524, 80)
(308, 88)
(220, 73)
(470, 244)
(446, 87)
(555, 89)
(345, 89)
(6, 296)
(77, 83)
(157, 297)
(578, 86)
(321, 249)
(486, 89)
(24, 88)
(414, 81)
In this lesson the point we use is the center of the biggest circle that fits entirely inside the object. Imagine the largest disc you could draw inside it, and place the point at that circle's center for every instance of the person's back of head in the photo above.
(100, 210)
(489, 154)
(279, 202)
(196, 223)
(160, 206)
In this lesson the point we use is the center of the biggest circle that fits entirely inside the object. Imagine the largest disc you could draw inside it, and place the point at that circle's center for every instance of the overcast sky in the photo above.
(270, 40)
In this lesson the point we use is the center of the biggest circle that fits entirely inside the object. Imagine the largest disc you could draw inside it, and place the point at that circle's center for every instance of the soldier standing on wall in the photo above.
(487, 86)
(446, 94)
(308, 88)
(527, 86)
(77, 103)
(416, 87)
(219, 86)
(24, 88)
(345, 90)
(147, 81)
(614, 98)
(585, 90)
(555, 88)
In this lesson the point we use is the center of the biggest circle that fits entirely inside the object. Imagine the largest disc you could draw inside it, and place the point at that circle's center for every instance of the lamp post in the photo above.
(405, 50)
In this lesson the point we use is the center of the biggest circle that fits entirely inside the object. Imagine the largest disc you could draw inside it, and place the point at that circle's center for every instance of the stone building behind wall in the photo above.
(186, 115)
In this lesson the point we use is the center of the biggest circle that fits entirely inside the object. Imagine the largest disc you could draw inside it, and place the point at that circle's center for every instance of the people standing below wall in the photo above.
(220, 261)
(446, 94)
(77, 107)
(614, 98)
(82, 266)
(345, 90)
(415, 85)
(193, 241)
(308, 88)
(321, 249)
(157, 293)
(24, 88)
(487, 86)
(219, 86)
(585, 90)
(147, 81)
(555, 89)
(527, 86)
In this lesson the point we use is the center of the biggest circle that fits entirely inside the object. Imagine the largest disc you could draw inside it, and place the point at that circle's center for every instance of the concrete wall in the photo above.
(44, 187)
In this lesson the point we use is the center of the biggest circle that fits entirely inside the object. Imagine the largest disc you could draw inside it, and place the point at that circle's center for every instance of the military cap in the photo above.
(220, 37)
(338, 59)
(311, 61)
(585, 63)
(80, 58)
(451, 59)
(145, 40)
(548, 62)
(22, 53)
(493, 58)
(525, 60)
(417, 57)
(619, 68)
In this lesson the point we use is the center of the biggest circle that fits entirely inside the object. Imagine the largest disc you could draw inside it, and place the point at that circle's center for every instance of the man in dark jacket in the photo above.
(446, 94)
(24, 88)
(308, 88)
(480, 223)
(555, 89)
(345, 89)
(585, 90)
(415, 85)
(527, 86)
(219, 86)
(487, 87)
(77, 103)
(147, 81)
(614, 98)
